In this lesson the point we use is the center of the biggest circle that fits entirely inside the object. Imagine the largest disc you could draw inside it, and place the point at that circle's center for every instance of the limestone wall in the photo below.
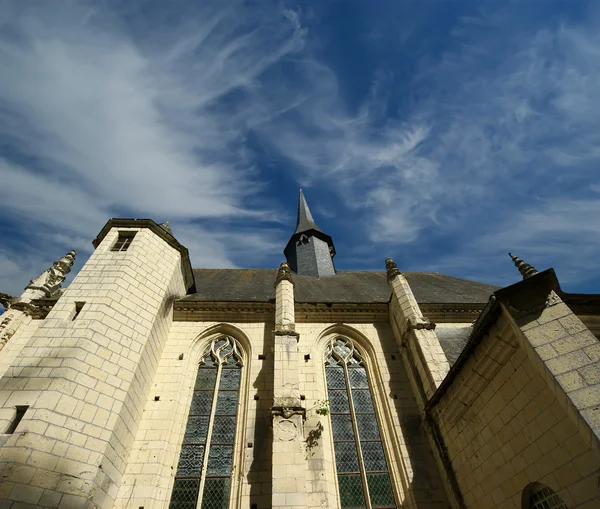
(504, 427)
(85, 380)
(153, 462)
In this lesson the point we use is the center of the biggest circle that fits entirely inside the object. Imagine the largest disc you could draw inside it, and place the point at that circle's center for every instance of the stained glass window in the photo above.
(203, 475)
(543, 497)
(362, 472)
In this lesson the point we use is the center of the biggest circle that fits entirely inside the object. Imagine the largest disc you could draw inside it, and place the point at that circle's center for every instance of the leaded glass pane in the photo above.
(338, 402)
(190, 461)
(335, 378)
(341, 348)
(227, 402)
(223, 429)
(185, 494)
(206, 379)
(219, 460)
(373, 456)
(380, 490)
(351, 491)
(224, 355)
(346, 457)
(362, 401)
(367, 427)
(230, 378)
(216, 494)
(196, 429)
(201, 402)
(358, 378)
(341, 425)
(350, 370)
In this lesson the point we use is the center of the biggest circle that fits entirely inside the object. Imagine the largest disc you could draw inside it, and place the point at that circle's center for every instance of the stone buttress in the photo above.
(288, 459)
(415, 336)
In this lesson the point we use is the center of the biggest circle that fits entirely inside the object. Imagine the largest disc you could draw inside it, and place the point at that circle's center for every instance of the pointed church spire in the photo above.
(305, 220)
(309, 251)
(525, 269)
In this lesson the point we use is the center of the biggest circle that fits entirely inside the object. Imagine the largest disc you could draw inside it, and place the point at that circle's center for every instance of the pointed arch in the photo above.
(362, 461)
(539, 496)
(210, 451)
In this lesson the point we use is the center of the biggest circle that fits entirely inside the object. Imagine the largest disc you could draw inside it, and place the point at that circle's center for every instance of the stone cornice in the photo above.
(288, 411)
(452, 313)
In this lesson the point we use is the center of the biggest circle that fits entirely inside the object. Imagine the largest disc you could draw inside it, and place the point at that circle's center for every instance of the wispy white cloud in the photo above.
(102, 120)
(497, 154)
(155, 112)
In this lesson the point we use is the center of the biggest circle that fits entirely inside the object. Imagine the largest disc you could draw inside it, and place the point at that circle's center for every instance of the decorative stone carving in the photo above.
(50, 280)
(419, 323)
(285, 430)
(7, 300)
(288, 411)
(392, 269)
(553, 299)
(284, 273)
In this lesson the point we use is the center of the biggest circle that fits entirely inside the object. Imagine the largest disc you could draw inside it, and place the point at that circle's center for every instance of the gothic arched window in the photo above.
(539, 496)
(362, 471)
(203, 478)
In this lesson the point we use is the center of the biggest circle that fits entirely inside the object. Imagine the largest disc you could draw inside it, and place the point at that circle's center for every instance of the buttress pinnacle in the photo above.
(525, 269)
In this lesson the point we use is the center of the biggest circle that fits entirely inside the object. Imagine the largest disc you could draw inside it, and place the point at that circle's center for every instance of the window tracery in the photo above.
(362, 472)
(203, 477)
(541, 496)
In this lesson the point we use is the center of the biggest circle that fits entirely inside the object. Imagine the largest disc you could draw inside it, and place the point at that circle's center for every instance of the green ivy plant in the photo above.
(322, 407)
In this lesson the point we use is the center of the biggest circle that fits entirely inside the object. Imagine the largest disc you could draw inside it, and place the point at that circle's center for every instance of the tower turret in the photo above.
(309, 251)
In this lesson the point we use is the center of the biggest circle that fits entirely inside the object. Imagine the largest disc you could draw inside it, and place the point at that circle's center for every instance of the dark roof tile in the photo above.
(256, 285)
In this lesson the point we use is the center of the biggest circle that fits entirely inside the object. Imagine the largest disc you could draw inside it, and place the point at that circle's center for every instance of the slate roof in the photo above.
(305, 221)
(256, 285)
(452, 339)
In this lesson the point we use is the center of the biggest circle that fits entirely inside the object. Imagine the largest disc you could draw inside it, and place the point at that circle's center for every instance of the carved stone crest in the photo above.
(285, 430)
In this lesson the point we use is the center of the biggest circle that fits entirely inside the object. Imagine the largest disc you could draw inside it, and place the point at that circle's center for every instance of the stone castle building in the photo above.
(147, 384)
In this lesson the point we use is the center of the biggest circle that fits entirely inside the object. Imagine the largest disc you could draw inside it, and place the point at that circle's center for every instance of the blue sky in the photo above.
(441, 133)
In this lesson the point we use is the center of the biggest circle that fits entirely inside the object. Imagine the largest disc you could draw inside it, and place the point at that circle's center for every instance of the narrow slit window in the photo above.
(203, 477)
(123, 241)
(78, 308)
(21, 409)
(362, 471)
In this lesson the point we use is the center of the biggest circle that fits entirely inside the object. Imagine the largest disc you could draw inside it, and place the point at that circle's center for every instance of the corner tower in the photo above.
(309, 251)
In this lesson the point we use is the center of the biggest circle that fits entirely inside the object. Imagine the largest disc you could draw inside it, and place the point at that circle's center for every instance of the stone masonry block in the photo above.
(568, 362)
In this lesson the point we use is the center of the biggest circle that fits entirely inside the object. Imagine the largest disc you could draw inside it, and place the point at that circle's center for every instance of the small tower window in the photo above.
(124, 241)
(78, 308)
(303, 240)
(21, 409)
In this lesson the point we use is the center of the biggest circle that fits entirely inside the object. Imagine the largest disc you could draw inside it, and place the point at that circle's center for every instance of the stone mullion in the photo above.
(361, 463)
(211, 422)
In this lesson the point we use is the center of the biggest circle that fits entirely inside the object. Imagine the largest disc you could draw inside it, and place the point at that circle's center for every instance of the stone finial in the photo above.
(166, 227)
(7, 300)
(525, 269)
(284, 272)
(392, 269)
(49, 281)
